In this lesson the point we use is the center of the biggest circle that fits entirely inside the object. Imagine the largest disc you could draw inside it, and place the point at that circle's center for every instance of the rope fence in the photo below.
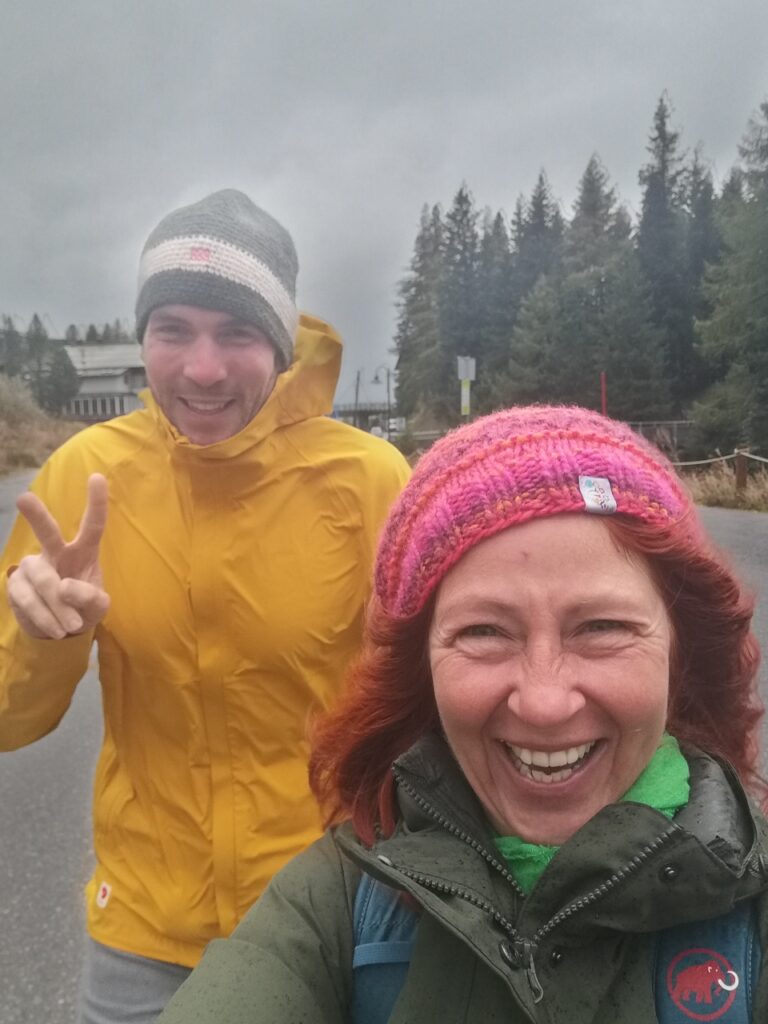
(670, 427)
(722, 458)
(741, 458)
(706, 462)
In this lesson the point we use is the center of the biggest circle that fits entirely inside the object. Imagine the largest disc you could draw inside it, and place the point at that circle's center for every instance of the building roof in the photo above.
(104, 360)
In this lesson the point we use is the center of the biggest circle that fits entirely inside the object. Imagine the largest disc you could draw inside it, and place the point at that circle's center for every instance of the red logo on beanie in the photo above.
(200, 254)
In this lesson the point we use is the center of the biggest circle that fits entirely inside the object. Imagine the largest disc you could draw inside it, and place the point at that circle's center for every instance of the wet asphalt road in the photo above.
(44, 814)
(45, 854)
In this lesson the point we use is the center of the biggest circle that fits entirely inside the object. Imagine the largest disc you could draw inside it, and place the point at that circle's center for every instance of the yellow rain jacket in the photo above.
(238, 574)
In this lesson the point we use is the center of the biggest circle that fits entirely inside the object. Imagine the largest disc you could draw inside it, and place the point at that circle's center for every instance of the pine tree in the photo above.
(72, 335)
(497, 308)
(92, 336)
(12, 348)
(59, 383)
(417, 340)
(628, 348)
(594, 229)
(621, 229)
(754, 150)
(733, 190)
(577, 324)
(661, 244)
(458, 301)
(735, 335)
(703, 240)
(533, 360)
(538, 239)
(120, 335)
(37, 351)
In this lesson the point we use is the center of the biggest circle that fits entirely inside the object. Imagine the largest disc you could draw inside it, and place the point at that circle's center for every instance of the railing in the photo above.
(740, 456)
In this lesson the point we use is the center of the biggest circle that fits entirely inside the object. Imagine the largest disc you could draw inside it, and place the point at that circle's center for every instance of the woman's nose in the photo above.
(545, 696)
(204, 365)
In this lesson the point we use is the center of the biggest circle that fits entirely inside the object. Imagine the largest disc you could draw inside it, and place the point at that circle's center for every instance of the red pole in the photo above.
(603, 394)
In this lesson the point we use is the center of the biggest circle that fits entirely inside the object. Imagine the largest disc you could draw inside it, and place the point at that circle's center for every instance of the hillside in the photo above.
(27, 435)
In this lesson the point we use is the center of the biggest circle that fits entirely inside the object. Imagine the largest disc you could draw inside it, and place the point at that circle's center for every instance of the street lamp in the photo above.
(376, 379)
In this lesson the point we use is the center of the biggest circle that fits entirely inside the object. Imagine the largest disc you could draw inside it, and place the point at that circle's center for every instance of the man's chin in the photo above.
(211, 435)
(206, 429)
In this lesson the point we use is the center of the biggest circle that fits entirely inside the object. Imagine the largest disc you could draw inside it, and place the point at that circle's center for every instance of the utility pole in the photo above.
(389, 407)
(357, 397)
(376, 379)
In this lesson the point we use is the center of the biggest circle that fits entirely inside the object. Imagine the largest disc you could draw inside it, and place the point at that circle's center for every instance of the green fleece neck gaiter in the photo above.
(663, 785)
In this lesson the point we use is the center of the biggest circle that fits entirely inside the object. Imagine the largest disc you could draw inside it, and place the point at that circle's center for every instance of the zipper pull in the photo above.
(533, 981)
(522, 956)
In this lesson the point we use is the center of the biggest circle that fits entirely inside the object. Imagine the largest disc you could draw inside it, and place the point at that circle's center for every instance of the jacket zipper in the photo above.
(523, 949)
(605, 887)
(456, 831)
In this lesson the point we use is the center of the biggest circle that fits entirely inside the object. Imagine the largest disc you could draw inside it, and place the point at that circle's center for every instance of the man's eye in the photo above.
(238, 335)
(169, 332)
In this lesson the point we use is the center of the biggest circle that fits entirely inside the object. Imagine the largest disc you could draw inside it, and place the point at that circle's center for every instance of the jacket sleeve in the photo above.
(37, 677)
(289, 959)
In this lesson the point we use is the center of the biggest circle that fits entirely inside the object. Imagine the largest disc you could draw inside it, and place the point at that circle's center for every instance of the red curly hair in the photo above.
(389, 700)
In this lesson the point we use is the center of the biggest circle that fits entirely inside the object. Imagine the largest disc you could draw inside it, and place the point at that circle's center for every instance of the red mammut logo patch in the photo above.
(702, 984)
(200, 254)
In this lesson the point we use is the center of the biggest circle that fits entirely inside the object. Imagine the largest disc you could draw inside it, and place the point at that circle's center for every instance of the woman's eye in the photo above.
(480, 629)
(602, 626)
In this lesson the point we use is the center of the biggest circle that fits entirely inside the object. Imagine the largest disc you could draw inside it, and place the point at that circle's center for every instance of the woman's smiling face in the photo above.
(550, 648)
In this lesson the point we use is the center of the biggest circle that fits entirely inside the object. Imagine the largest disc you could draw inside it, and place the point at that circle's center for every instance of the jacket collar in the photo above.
(628, 869)
(304, 390)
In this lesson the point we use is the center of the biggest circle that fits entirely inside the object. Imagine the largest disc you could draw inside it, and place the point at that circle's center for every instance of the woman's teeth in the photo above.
(549, 766)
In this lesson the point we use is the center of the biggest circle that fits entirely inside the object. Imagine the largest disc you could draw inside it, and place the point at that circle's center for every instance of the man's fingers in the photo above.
(49, 607)
(94, 519)
(90, 603)
(33, 597)
(45, 527)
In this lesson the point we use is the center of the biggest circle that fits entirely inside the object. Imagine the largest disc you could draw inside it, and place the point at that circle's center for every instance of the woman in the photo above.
(537, 776)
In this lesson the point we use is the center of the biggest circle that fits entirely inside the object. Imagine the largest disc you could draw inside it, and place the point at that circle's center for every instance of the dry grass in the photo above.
(717, 486)
(27, 435)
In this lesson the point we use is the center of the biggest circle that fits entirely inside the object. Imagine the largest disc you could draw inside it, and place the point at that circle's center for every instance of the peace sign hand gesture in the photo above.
(59, 592)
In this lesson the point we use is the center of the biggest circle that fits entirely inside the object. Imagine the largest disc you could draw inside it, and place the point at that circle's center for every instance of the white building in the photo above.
(111, 377)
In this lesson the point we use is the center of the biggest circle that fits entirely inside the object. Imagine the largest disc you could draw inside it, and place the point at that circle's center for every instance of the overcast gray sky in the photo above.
(341, 119)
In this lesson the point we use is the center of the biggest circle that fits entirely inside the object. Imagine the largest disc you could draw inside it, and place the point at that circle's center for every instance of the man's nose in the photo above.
(546, 692)
(204, 364)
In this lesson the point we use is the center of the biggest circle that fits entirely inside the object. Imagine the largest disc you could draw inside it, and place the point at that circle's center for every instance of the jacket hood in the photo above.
(304, 390)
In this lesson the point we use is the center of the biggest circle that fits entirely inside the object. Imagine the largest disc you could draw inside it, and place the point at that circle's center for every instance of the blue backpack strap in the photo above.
(707, 970)
(384, 927)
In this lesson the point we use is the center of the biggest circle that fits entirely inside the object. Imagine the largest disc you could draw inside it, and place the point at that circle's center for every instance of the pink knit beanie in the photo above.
(504, 469)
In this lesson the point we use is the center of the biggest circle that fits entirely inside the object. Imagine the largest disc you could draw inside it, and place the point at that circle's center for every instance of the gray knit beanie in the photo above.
(226, 254)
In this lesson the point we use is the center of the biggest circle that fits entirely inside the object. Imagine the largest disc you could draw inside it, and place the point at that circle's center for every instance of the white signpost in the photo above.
(466, 368)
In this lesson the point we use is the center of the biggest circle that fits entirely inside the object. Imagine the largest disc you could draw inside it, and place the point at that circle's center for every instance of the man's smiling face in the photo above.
(210, 373)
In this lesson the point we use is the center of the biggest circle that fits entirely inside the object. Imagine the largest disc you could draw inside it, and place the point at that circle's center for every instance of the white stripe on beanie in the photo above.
(202, 254)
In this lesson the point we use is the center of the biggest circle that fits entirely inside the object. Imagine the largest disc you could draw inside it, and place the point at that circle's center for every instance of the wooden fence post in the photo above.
(741, 471)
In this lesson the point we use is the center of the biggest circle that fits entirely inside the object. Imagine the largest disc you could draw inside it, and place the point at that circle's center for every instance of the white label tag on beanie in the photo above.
(597, 494)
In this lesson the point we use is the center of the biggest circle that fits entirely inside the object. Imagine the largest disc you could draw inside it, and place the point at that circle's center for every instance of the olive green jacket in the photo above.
(577, 950)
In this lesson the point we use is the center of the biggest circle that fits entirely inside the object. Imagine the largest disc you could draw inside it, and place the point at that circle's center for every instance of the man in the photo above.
(221, 562)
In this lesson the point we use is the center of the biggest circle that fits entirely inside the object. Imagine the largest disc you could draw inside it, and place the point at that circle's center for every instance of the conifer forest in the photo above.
(672, 309)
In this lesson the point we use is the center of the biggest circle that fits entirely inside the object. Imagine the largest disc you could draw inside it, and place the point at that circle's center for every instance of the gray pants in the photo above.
(120, 988)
